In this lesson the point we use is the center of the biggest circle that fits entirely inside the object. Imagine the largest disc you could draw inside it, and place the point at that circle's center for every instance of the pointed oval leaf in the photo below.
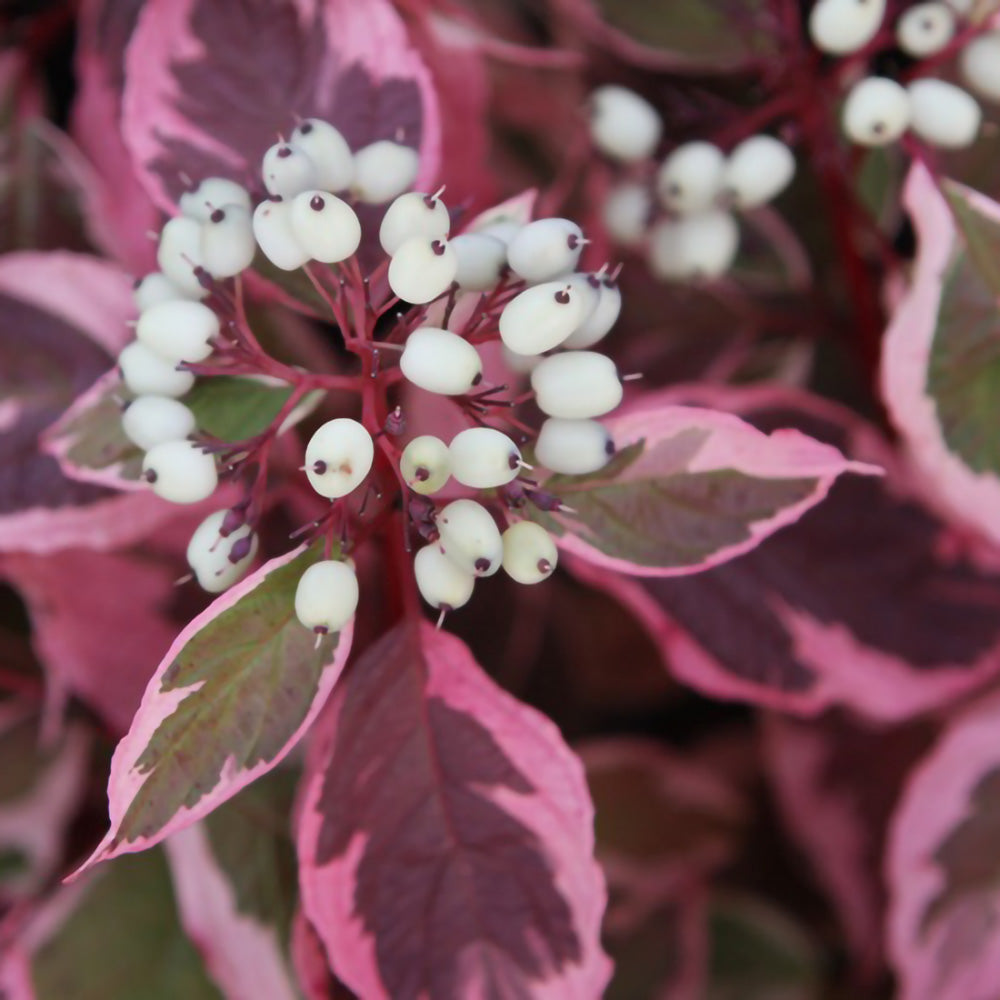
(689, 489)
(943, 866)
(233, 695)
(445, 842)
(860, 603)
(208, 88)
(941, 359)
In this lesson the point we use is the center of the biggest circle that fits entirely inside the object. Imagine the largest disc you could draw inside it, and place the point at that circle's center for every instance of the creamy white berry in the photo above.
(541, 317)
(213, 193)
(216, 561)
(626, 212)
(979, 64)
(288, 171)
(178, 331)
(442, 583)
(600, 321)
(440, 361)
(384, 170)
(695, 246)
(145, 373)
(876, 112)
(943, 114)
(422, 269)
(425, 464)
(338, 457)
(155, 287)
(484, 458)
(924, 29)
(545, 249)
(529, 553)
(413, 215)
(179, 471)
(469, 537)
(179, 253)
(481, 261)
(840, 27)
(227, 241)
(623, 125)
(690, 177)
(326, 597)
(152, 420)
(329, 152)
(272, 228)
(577, 385)
(325, 226)
(757, 171)
(573, 447)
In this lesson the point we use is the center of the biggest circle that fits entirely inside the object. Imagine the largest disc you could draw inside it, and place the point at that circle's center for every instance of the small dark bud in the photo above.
(204, 278)
(235, 518)
(545, 501)
(241, 548)
(513, 494)
(395, 422)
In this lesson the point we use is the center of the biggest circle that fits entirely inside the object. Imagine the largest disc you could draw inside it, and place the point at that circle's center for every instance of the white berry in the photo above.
(623, 125)
(979, 64)
(422, 269)
(626, 212)
(211, 557)
(545, 249)
(413, 214)
(213, 193)
(155, 287)
(227, 241)
(541, 317)
(179, 471)
(325, 226)
(327, 596)
(152, 420)
(178, 331)
(338, 457)
(440, 361)
(924, 29)
(600, 321)
(876, 112)
(179, 253)
(529, 553)
(272, 228)
(501, 229)
(695, 246)
(484, 458)
(384, 170)
(573, 447)
(840, 27)
(441, 582)
(481, 260)
(470, 537)
(147, 374)
(329, 152)
(577, 385)
(288, 170)
(943, 114)
(690, 177)
(425, 464)
(757, 171)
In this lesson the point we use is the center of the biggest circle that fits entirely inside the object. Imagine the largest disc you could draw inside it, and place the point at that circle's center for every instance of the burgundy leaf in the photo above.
(859, 603)
(446, 837)
(210, 87)
(943, 869)
(63, 321)
(229, 701)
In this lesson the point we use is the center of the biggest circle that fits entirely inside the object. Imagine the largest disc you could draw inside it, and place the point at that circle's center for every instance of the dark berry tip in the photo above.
(482, 564)
(321, 630)
(562, 297)
(438, 247)
(217, 216)
(285, 152)
(609, 447)
(317, 203)
(150, 476)
(544, 566)
(514, 462)
(319, 467)
(421, 475)
(305, 128)
(430, 201)
(572, 241)
(477, 378)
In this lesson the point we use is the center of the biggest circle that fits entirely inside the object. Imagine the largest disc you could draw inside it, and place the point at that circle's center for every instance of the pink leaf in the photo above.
(446, 837)
(64, 320)
(691, 488)
(232, 697)
(857, 604)
(939, 360)
(209, 88)
(942, 866)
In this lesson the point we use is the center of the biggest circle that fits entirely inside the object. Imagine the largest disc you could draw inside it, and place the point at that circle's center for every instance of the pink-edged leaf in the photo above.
(63, 319)
(76, 600)
(115, 935)
(837, 781)
(690, 488)
(209, 88)
(40, 790)
(943, 869)
(233, 695)
(861, 603)
(445, 841)
(119, 212)
(940, 361)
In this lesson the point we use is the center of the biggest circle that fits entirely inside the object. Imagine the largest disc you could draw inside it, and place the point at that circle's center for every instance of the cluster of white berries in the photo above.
(879, 110)
(685, 219)
(547, 315)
